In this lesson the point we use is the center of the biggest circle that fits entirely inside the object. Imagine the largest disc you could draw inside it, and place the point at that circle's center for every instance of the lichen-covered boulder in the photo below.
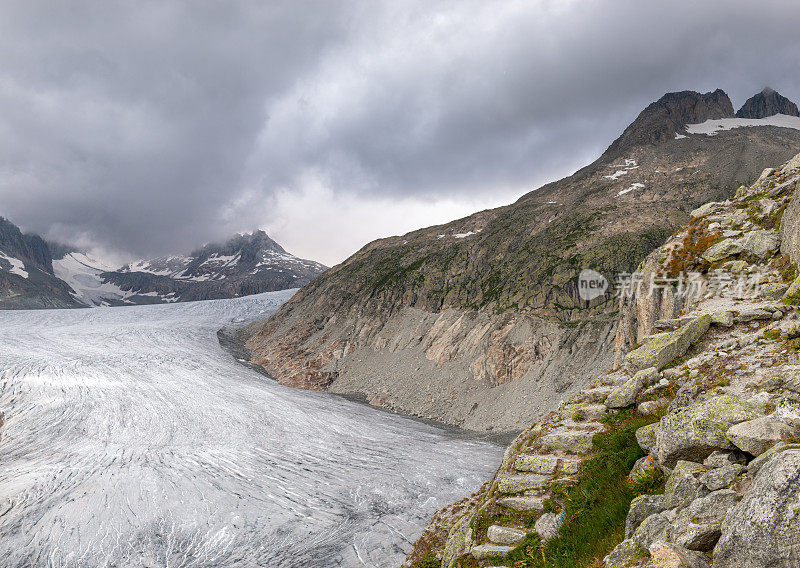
(643, 466)
(536, 463)
(705, 209)
(623, 554)
(763, 530)
(548, 524)
(646, 436)
(697, 527)
(641, 508)
(625, 394)
(653, 528)
(693, 432)
(664, 348)
(761, 243)
(683, 485)
(721, 477)
(723, 249)
(518, 483)
(758, 435)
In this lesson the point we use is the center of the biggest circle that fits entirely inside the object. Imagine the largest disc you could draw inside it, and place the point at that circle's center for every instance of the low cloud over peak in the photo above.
(328, 124)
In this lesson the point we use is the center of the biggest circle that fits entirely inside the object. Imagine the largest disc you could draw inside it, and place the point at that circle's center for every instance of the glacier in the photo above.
(131, 438)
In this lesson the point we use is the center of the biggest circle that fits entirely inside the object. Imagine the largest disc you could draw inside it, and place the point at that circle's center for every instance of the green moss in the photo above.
(772, 334)
(428, 561)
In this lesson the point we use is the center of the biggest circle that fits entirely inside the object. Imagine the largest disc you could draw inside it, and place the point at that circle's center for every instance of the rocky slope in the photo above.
(479, 322)
(685, 455)
(27, 280)
(37, 274)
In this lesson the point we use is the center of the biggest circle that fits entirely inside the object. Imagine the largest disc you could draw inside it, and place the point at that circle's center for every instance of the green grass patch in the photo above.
(596, 507)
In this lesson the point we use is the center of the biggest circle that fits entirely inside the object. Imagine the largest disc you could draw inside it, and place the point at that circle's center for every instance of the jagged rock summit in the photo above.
(767, 103)
(37, 274)
(669, 115)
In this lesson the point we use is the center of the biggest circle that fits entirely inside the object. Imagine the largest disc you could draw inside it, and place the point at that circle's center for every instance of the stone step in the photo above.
(546, 464)
(565, 440)
(522, 503)
(573, 425)
(486, 550)
(518, 483)
(499, 534)
(585, 411)
(593, 395)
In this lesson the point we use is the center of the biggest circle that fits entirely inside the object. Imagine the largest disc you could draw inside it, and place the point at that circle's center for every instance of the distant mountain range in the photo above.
(38, 274)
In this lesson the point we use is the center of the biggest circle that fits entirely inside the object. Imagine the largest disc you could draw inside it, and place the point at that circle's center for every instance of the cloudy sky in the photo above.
(142, 128)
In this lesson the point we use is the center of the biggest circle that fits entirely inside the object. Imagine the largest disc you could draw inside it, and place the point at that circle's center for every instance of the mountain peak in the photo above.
(767, 103)
(661, 120)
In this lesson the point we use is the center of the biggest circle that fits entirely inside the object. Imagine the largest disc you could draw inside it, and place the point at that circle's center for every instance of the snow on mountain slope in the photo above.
(16, 265)
(712, 126)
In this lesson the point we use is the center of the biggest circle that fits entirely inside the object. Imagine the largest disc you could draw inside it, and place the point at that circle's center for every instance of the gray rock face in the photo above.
(693, 432)
(763, 530)
(625, 395)
(641, 508)
(697, 527)
(767, 103)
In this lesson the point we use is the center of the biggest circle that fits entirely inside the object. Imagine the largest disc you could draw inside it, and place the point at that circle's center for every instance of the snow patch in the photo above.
(631, 188)
(711, 127)
(17, 266)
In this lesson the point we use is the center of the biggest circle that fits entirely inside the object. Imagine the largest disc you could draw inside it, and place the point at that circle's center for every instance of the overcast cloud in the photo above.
(150, 127)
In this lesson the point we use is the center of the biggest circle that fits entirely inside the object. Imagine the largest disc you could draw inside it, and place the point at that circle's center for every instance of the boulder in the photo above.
(754, 466)
(724, 318)
(646, 436)
(623, 555)
(667, 555)
(585, 411)
(650, 407)
(773, 290)
(758, 435)
(625, 395)
(653, 528)
(763, 530)
(721, 477)
(548, 524)
(722, 250)
(697, 527)
(693, 432)
(499, 534)
(683, 485)
(760, 243)
(720, 458)
(666, 347)
(642, 467)
(642, 507)
(705, 209)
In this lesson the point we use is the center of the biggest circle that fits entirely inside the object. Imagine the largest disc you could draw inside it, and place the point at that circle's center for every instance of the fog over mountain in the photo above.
(160, 128)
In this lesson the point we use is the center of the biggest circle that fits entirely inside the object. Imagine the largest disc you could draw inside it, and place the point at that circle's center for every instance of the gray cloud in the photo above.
(152, 127)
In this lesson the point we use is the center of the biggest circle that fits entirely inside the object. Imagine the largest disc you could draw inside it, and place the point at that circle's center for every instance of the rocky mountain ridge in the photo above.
(478, 322)
(37, 274)
(686, 453)
(767, 103)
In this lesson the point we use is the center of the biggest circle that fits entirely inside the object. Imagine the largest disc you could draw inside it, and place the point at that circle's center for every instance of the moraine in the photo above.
(132, 439)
